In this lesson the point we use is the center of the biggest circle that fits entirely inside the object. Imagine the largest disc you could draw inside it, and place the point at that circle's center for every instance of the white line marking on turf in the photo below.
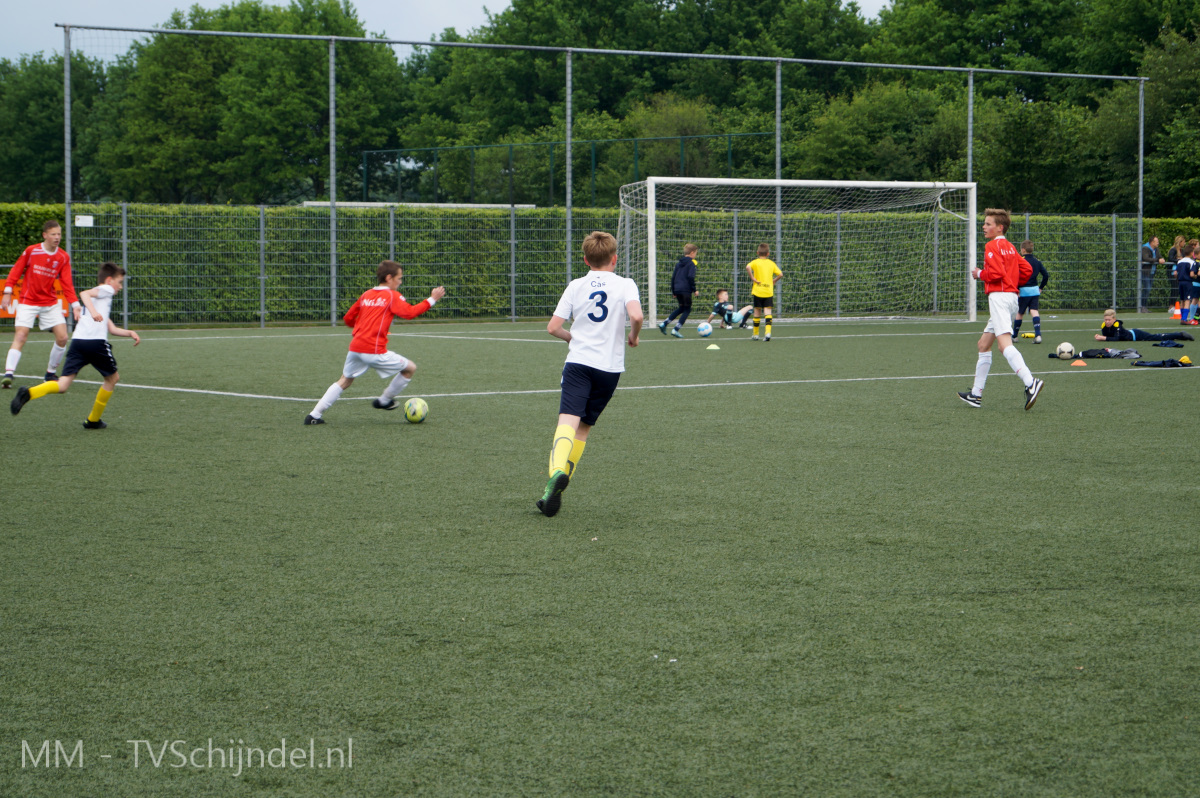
(679, 386)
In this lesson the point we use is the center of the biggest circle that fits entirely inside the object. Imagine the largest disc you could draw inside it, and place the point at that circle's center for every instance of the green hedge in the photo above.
(201, 264)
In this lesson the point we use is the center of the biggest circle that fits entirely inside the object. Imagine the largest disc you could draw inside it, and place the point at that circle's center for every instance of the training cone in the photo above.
(712, 346)
(1079, 363)
(1175, 312)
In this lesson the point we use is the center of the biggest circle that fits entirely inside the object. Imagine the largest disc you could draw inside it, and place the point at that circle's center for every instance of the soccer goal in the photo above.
(847, 249)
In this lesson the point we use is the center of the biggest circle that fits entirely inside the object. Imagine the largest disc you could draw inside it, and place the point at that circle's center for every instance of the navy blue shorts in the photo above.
(91, 352)
(1185, 291)
(1026, 303)
(586, 391)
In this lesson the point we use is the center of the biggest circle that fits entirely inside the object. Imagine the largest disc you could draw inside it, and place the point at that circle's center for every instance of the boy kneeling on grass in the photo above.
(89, 346)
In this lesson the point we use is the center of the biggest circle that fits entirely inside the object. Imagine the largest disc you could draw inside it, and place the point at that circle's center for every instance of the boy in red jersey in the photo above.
(1003, 272)
(371, 317)
(40, 264)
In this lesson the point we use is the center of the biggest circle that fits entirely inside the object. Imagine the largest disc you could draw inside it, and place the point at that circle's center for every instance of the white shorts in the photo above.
(1002, 308)
(389, 364)
(47, 316)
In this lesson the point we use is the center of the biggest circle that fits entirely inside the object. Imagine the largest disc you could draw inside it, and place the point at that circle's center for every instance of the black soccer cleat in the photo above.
(1031, 393)
(7, 380)
(971, 399)
(552, 499)
(51, 376)
(19, 400)
(310, 420)
(94, 425)
(379, 404)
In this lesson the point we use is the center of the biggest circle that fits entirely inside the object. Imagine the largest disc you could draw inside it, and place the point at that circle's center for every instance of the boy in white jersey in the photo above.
(89, 346)
(599, 302)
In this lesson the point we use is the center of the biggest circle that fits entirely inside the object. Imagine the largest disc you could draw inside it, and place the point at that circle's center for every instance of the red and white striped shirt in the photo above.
(371, 317)
(40, 269)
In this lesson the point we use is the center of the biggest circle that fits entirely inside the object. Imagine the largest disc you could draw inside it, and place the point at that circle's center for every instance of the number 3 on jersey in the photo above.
(599, 296)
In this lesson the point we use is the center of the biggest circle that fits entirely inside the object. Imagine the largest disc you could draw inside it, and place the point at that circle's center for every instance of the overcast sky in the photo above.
(29, 27)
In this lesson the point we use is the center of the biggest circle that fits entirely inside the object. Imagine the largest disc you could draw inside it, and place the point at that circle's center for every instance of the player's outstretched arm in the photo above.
(120, 332)
(437, 293)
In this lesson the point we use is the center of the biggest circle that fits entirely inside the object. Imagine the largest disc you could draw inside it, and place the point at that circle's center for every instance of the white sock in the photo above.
(331, 396)
(56, 353)
(398, 384)
(982, 366)
(1013, 356)
(10, 363)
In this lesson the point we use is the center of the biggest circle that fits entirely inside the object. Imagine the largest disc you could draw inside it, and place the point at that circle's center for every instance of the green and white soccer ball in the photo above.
(1065, 351)
(415, 410)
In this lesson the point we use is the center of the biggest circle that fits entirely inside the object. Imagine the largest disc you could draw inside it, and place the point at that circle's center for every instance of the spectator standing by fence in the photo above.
(1150, 261)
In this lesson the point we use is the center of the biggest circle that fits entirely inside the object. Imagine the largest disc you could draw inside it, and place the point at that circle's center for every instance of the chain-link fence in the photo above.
(274, 265)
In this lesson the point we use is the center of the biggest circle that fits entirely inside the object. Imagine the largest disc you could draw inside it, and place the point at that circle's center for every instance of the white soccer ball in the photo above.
(1065, 351)
(415, 410)
(704, 328)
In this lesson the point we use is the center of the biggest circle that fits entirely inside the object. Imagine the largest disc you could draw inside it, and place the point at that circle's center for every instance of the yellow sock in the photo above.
(755, 325)
(560, 449)
(573, 458)
(102, 397)
(767, 329)
(38, 391)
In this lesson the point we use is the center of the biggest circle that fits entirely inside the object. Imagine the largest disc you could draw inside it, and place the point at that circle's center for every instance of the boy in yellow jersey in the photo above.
(765, 274)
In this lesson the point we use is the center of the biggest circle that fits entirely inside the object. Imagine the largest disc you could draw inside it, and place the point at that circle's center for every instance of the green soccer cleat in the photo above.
(6, 381)
(552, 499)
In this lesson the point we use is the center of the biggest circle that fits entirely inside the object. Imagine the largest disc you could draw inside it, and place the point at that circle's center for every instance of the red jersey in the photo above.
(41, 269)
(1003, 268)
(371, 317)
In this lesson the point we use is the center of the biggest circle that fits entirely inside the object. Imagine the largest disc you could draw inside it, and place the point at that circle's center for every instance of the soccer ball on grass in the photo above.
(415, 410)
(704, 328)
(1065, 351)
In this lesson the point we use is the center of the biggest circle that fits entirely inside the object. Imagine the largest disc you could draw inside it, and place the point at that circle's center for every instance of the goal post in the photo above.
(848, 249)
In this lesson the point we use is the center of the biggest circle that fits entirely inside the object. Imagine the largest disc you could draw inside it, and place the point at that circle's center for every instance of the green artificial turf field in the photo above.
(795, 568)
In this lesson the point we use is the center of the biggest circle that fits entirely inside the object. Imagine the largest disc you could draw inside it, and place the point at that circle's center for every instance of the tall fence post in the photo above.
(67, 135)
(512, 260)
(262, 266)
(779, 176)
(332, 185)
(970, 122)
(125, 262)
(1114, 258)
(1142, 303)
(392, 233)
(568, 137)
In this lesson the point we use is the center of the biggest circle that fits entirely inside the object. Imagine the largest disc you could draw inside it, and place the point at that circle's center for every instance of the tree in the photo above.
(31, 123)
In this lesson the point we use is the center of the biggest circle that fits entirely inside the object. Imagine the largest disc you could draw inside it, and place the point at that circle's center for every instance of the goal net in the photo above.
(847, 249)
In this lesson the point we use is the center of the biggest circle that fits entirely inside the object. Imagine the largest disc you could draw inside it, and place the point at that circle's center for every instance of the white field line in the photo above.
(675, 387)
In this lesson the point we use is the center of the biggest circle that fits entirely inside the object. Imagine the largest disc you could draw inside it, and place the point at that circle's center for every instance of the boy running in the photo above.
(371, 317)
(599, 302)
(1003, 270)
(1030, 292)
(41, 264)
(89, 346)
(765, 274)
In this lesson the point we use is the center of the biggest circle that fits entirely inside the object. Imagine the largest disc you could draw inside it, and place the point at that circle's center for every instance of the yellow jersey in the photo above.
(764, 271)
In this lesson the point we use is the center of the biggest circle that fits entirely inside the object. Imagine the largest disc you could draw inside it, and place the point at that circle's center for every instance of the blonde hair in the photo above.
(598, 249)
(689, 249)
(1110, 312)
(1000, 217)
